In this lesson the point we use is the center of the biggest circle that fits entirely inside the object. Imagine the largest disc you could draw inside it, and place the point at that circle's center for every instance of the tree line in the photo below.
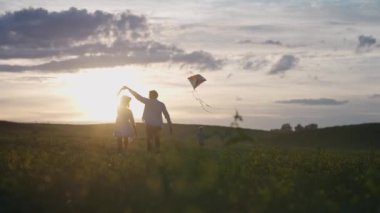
(298, 128)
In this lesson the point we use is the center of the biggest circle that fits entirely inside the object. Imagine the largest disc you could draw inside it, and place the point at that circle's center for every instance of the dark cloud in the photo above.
(255, 64)
(320, 101)
(286, 62)
(365, 43)
(74, 39)
(200, 59)
(272, 42)
(366, 40)
(141, 53)
(34, 53)
(375, 96)
(39, 28)
(248, 65)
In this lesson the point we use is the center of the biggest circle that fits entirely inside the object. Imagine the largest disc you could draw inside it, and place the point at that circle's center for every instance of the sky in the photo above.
(274, 61)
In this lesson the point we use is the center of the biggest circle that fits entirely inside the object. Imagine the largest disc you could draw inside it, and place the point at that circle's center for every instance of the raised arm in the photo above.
(137, 96)
(167, 117)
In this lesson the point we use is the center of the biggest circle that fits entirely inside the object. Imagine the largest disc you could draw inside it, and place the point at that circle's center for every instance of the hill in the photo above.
(362, 136)
(77, 168)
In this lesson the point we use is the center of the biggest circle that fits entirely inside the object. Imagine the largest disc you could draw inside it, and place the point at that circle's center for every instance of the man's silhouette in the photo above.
(152, 117)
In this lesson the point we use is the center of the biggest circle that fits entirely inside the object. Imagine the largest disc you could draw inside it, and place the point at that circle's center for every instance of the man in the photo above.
(152, 117)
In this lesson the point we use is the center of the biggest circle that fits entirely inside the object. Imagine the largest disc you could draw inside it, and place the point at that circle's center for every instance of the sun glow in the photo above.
(94, 92)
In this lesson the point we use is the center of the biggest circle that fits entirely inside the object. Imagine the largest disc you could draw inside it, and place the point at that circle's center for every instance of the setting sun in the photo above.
(94, 93)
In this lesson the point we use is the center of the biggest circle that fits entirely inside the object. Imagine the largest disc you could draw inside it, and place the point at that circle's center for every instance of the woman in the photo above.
(125, 124)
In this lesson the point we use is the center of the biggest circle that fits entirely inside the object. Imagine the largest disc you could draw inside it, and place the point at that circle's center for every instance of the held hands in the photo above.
(125, 87)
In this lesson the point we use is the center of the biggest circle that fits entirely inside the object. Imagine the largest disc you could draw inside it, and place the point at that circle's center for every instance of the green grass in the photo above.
(70, 168)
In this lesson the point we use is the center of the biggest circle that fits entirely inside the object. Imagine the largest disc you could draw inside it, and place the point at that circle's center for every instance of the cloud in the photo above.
(269, 42)
(272, 42)
(344, 23)
(286, 62)
(375, 96)
(76, 39)
(245, 41)
(202, 60)
(260, 28)
(365, 43)
(39, 28)
(141, 53)
(34, 78)
(255, 64)
(320, 101)
(248, 65)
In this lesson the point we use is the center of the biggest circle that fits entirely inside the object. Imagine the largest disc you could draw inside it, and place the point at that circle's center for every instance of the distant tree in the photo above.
(298, 128)
(286, 128)
(237, 118)
(239, 134)
(311, 126)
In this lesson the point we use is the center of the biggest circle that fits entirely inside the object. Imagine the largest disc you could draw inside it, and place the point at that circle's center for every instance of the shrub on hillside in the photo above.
(286, 128)
(298, 128)
(311, 126)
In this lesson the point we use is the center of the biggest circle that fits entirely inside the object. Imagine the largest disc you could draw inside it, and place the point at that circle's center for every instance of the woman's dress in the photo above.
(124, 123)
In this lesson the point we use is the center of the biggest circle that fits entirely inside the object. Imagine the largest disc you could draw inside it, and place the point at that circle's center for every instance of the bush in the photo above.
(311, 126)
(286, 128)
(298, 128)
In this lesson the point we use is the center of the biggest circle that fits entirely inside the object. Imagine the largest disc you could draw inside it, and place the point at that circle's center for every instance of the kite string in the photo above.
(206, 107)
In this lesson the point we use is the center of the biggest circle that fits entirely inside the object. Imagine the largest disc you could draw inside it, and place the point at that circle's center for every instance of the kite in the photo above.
(195, 81)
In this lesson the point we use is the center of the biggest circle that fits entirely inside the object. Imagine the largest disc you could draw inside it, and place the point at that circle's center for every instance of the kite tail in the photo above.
(206, 107)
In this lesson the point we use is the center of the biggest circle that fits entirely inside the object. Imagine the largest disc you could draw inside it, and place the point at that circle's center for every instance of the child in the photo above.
(200, 136)
(125, 124)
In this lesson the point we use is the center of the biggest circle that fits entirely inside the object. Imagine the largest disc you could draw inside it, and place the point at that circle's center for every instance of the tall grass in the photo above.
(58, 168)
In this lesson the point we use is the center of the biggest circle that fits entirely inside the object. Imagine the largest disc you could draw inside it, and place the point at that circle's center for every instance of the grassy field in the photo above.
(76, 168)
